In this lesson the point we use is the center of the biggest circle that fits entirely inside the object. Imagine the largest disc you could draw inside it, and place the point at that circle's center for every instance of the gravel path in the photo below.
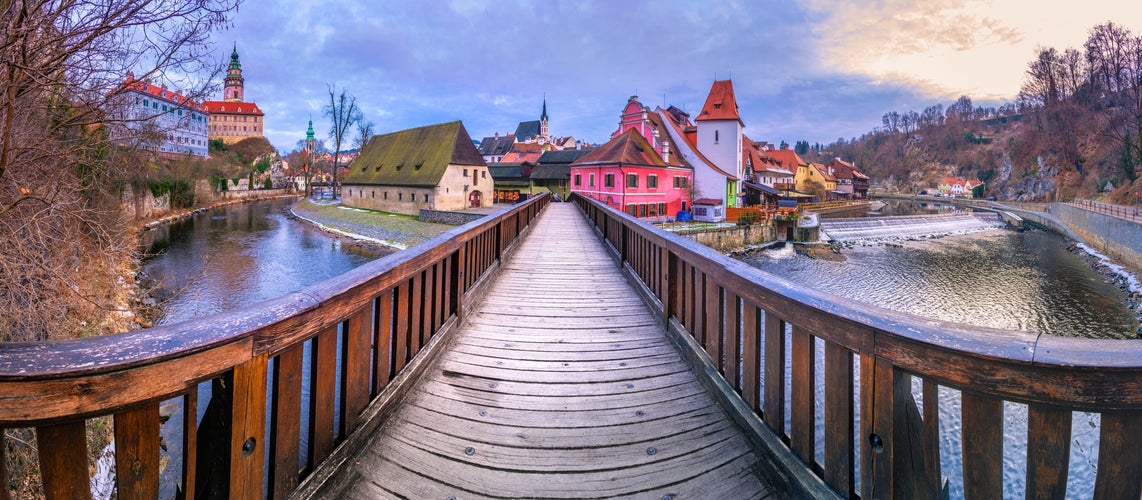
(392, 230)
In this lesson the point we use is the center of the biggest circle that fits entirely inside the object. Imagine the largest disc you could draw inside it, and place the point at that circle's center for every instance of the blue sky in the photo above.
(809, 69)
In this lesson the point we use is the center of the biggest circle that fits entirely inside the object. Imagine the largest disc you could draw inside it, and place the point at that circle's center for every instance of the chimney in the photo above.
(666, 151)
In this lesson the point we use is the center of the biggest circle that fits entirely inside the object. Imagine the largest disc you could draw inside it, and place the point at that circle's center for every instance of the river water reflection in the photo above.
(231, 257)
(998, 278)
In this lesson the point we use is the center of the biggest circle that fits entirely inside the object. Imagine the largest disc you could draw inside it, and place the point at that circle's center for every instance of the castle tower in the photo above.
(234, 85)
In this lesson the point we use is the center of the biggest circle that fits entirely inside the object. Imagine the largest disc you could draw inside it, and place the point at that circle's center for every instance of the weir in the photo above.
(720, 331)
(906, 226)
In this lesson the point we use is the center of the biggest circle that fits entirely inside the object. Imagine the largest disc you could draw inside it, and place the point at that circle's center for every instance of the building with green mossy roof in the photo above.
(434, 168)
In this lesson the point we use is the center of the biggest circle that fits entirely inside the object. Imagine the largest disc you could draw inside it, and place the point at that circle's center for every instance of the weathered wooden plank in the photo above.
(751, 354)
(50, 400)
(383, 343)
(982, 442)
(4, 495)
(576, 460)
(403, 298)
(416, 314)
(356, 361)
(803, 385)
(602, 351)
(446, 299)
(496, 481)
(248, 429)
(908, 452)
(322, 395)
(1048, 451)
(1119, 455)
(714, 328)
(285, 422)
(61, 447)
(732, 340)
(426, 328)
(933, 477)
(541, 368)
(616, 396)
(438, 298)
(189, 443)
(774, 373)
(877, 404)
(839, 400)
(137, 452)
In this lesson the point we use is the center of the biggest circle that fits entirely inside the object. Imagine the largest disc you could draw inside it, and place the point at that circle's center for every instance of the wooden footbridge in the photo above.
(569, 351)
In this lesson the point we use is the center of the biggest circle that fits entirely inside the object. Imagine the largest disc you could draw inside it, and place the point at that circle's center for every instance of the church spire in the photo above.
(543, 131)
(309, 133)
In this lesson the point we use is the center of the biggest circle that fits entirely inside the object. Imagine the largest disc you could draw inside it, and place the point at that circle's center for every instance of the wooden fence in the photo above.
(376, 318)
(745, 320)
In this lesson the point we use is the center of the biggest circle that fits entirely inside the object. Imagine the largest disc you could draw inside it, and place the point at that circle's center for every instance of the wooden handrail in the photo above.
(381, 314)
(742, 316)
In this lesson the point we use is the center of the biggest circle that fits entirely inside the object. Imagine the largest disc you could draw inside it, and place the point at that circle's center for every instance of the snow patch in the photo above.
(1131, 279)
(353, 236)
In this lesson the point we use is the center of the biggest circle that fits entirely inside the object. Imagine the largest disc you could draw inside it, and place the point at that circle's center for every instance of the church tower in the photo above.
(543, 135)
(233, 90)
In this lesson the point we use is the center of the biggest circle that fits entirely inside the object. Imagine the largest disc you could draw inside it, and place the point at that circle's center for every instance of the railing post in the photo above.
(137, 452)
(62, 447)
(248, 429)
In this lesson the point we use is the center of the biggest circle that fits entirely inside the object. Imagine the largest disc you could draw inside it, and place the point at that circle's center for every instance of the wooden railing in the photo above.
(745, 319)
(375, 318)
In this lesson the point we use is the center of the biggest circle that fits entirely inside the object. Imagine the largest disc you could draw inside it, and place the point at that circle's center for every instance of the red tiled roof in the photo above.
(161, 92)
(788, 159)
(231, 108)
(721, 103)
(685, 132)
(629, 148)
(823, 171)
(521, 152)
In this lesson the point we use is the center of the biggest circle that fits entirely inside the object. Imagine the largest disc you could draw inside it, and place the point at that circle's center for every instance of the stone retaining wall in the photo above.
(446, 217)
(733, 239)
(1119, 239)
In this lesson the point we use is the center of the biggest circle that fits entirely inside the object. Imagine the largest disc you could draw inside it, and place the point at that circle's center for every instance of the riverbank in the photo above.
(367, 227)
(1114, 274)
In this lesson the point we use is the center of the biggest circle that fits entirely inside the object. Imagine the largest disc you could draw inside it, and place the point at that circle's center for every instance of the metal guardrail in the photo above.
(1121, 211)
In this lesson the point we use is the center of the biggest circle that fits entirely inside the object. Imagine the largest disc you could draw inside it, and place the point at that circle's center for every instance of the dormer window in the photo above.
(418, 165)
(400, 166)
(378, 169)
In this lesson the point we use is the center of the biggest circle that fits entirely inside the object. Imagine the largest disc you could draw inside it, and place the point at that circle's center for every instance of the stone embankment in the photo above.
(1114, 274)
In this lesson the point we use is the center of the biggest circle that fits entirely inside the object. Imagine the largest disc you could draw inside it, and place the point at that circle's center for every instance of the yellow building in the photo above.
(232, 119)
(814, 178)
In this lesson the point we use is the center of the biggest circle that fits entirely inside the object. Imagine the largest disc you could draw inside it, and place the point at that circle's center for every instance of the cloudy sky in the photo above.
(809, 69)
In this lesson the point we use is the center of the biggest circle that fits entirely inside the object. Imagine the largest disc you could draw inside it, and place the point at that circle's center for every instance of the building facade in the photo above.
(435, 168)
(161, 120)
(627, 174)
(233, 119)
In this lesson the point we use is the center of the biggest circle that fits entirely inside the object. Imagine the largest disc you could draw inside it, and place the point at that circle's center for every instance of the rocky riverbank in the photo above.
(1114, 274)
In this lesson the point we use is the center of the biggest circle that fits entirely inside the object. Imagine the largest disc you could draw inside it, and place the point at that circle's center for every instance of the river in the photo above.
(231, 257)
(997, 278)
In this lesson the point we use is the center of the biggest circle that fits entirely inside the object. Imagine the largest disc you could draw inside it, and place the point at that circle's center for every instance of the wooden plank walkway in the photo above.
(560, 384)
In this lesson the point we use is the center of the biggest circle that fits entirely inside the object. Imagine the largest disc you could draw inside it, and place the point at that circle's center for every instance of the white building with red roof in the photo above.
(719, 138)
(161, 120)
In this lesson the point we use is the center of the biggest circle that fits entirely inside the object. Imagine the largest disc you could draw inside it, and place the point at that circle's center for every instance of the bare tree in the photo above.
(343, 113)
(364, 133)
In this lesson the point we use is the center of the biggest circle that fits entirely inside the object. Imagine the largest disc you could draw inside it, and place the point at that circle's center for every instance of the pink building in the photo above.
(628, 173)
